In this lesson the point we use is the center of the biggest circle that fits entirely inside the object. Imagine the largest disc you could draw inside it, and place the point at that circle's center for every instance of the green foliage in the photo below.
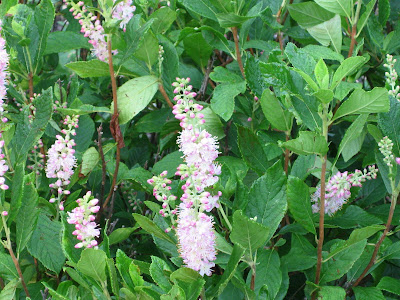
(303, 88)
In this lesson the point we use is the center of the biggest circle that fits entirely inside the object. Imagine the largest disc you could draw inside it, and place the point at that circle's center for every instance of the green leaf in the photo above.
(252, 151)
(160, 271)
(362, 102)
(189, 280)
(89, 160)
(325, 96)
(7, 267)
(300, 59)
(352, 134)
(69, 240)
(354, 217)
(17, 190)
(6, 6)
(91, 68)
(134, 37)
(149, 226)
(267, 198)
(247, 233)
(8, 292)
(276, 114)
(309, 14)
(44, 19)
(63, 41)
(229, 19)
(169, 163)
(321, 52)
(347, 67)
(148, 49)
(298, 197)
(120, 234)
(368, 293)
(27, 216)
(356, 236)
(223, 100)
(93, 264)
(213, 124)
(334, 268)
(341, 7)
(308, 79)
(134, 96)
(322, 75)
(27, 134)
(332, 293)
(45, 244)
(204, 8)
(329, 32)
(364, 17)
(197, 48)
(388, 124)
(302, 254)
(163, 19)
(384, 11)
(307, 143)
(84, 109)
(389, 284)
(268, 273)
(229, 272)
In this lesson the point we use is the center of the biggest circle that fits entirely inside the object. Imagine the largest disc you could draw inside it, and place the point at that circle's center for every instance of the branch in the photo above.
(238, 56)
(165, 95)
(114, 124)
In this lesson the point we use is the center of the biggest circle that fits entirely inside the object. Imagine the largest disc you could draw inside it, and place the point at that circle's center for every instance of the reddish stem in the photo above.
(238, 56)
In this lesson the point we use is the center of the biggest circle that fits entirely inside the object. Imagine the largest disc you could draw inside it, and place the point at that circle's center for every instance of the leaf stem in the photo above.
(238, 56)
(165, 95)
(353, 33)
(225, 217)
(7, 244)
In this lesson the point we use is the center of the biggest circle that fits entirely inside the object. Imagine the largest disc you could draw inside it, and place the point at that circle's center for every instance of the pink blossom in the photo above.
(196, 240)
(123, 11)
(85, 227)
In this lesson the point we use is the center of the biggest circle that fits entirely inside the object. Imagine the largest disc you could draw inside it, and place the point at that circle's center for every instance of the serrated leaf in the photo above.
(267, 198)
(347, 67)
(91, 68)
(275, 113)
(307, 143)
(298, 197)
(152, 228)
(341, 7)
(45, 244)
(389, 284)
(247, 233)
(309, 14)
(89, 160)
(159, 270)
(328, 32)
(362, 102)
(134, 96)
(93, 264)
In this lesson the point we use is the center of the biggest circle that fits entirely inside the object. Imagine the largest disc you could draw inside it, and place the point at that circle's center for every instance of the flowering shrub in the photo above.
(194, 149)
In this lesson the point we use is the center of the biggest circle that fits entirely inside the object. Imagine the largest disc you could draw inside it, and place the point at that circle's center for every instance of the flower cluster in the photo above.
(162, 192)
(338, 189)
(386, 148)
(82, 217)
(37, 158)
(196, 240)
(3, 75)
(3, 92)
(92, 30)
(124, 11)
(391, 77)
(194, 228)
(61, 160)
